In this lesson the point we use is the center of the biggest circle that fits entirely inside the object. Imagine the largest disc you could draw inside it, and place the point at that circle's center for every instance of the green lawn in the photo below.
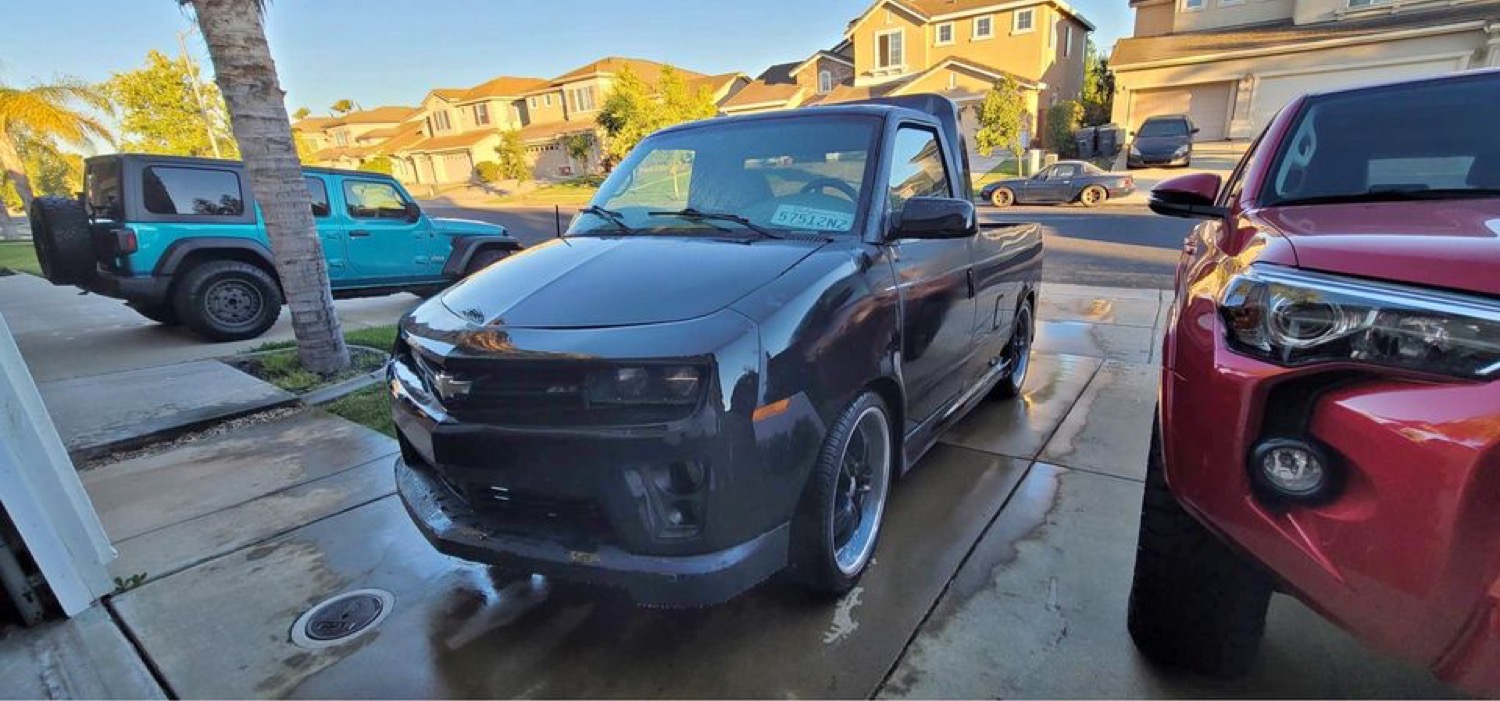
(19, 256)
(277, 362)
(378, 337)
(575, 191)
(370, 407)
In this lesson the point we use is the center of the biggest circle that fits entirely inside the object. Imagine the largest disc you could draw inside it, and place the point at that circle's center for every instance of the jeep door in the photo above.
(386, 245)
(933, 276)
(331, 230)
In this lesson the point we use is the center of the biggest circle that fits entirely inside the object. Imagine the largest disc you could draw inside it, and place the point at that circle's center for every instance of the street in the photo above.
(1109, 247)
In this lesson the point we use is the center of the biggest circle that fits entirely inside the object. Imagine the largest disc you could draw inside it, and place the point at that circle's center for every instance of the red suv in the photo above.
(1329, 421)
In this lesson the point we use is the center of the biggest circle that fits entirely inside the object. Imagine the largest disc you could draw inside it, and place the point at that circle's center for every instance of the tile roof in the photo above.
(760, 93)
(313, 123)
(552, 130)
(937, 8)
(448, 142)
(1284, 35)
(408, 135)
(781, 73)
(504, 86)
(380, 115)
(850, 93)
(449, 93)
(644, 69)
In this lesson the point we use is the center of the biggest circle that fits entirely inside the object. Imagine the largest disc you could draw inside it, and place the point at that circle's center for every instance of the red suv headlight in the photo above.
(1294, 317)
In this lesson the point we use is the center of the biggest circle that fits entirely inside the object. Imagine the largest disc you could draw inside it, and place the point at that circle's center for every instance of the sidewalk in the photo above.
(1001, 571)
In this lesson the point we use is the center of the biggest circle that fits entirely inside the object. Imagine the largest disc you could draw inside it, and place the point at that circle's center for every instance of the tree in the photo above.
(628, 114)
(1098, 87)
(1062, 120)
(160, 113)
(45, 114)
(50, 170)
(301, 113)
(246, 74)
(579, 147)
(681, 103)
(1001, 118)
(512, 156)
(344, 106)
(378, 164)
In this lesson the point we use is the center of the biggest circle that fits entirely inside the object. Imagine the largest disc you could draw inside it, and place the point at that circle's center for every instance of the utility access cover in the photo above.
(342, 617)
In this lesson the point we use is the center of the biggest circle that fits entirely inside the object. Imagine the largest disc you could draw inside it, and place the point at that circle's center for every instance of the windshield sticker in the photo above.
(811, 218)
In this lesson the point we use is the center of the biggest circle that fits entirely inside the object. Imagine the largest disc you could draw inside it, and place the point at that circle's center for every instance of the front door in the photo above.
(385, 245)
(934, 276)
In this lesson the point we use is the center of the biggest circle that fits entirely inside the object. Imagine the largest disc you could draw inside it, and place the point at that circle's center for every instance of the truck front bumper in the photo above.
(677, 581)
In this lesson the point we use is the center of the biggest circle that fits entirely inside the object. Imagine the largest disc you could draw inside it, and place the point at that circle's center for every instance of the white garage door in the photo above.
(457, 167)
(1271, 94)
(1207, 105)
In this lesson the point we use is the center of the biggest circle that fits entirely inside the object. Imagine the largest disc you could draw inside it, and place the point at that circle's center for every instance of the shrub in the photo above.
(1062, 120)
(378, 164)
(487, 171)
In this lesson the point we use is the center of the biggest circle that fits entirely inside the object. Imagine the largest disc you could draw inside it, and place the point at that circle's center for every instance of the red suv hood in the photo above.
(1453, 244)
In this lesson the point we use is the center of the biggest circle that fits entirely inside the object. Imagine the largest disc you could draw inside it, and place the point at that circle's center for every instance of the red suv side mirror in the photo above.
(1190, 196)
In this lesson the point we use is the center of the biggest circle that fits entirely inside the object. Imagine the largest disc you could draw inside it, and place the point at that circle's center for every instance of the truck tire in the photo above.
(163, 313)
(1195, 603)
(227, 300)
(484, 258)
(60, 235)
(850, 480)
(1018, 354)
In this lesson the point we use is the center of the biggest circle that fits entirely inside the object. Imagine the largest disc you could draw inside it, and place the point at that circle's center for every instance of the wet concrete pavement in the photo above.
(1002, 571)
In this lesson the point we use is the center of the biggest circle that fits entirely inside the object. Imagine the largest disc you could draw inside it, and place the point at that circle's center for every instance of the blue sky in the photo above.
(391, 52)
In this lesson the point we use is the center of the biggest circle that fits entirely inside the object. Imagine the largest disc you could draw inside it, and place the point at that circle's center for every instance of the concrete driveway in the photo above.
(1002, 571)
(1216, 157)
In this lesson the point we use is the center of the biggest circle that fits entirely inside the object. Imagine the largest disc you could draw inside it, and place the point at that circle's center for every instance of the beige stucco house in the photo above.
(346, 141)
(1232, 64)
(787, 85)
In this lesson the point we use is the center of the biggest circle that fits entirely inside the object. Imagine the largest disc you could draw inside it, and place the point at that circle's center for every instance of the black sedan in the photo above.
(718, 373)
(1064, 181)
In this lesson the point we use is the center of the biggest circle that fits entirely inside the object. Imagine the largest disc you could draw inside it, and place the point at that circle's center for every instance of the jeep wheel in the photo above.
(227, 300)
(838, 518)
(60, 235)
(162, 314)
(1194, 604)
(1017, 354)
(485, 258)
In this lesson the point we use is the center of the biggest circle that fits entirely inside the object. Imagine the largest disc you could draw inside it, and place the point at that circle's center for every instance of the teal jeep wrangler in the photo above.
(182, 241)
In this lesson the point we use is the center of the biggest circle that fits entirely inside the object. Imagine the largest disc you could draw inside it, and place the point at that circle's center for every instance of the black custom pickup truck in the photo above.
(719, 373)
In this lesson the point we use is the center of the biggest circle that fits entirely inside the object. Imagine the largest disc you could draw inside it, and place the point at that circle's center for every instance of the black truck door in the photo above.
(935, 278)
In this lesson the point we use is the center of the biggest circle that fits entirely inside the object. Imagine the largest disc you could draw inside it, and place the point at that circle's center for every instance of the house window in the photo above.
(890, 49)
(1194, 5)
(1025, 20)
(581, 99)
(825, 81)
(1067, 40)
(481, 114)
(341, 138)
(440, 120)
(531, 102)
(547, 99)
(945, 34)
(984, 27)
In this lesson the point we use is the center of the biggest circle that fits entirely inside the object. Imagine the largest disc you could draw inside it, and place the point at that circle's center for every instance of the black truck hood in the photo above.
(588, 282)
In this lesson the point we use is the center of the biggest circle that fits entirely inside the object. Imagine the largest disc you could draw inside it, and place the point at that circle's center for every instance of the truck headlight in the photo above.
(646, 384)
(1292, 317)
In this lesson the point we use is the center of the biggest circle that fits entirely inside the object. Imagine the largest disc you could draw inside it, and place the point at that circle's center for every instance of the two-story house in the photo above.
(787, 85)
(461, 127)
(1231, 65)
(959, 48)
(346, 140)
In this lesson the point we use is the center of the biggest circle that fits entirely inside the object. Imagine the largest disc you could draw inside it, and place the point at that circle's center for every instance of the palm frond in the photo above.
(46, 110)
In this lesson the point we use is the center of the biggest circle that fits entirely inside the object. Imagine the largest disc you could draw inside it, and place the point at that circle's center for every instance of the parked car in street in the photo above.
(1061, 182)
(181, 240)
(1165, 140)
(1329, 423)
(755, 327)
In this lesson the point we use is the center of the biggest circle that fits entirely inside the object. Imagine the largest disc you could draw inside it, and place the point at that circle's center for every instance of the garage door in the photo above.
(1207, 105)
(457, 167)
(1271, 94)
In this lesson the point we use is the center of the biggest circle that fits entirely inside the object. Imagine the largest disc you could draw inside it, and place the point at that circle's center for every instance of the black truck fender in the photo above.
(465, 247)
(243, 249)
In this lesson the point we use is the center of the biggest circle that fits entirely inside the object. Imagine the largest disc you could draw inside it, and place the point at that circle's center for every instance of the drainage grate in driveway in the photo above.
(342, 617)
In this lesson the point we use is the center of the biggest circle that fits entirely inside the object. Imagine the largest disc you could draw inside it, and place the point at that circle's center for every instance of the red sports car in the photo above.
(1329, 422)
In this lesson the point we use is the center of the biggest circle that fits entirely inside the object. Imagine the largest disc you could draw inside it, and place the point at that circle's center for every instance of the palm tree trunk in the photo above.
(15, 169)
(8, 230)
(235, 33)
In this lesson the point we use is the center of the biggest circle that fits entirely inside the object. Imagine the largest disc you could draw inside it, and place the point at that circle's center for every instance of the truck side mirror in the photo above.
(413, 212)
(936, 218)
(1188, 196)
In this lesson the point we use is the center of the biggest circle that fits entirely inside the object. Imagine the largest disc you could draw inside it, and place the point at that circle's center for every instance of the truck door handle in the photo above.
(359, 234)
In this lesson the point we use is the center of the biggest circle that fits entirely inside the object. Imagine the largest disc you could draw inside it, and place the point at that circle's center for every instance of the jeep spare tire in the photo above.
(60, 235)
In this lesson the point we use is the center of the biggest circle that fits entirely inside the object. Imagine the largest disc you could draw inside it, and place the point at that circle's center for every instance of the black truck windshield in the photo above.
(1389, 144)
(792, 174)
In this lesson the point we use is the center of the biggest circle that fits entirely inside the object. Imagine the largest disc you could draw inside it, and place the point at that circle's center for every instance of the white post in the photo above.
(42, 494)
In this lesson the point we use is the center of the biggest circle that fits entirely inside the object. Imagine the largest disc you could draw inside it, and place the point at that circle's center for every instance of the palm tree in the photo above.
(343, 106)
(236, 36)
(45, 113)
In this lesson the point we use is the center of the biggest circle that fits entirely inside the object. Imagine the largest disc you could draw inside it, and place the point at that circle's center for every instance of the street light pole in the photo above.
(187, 68)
